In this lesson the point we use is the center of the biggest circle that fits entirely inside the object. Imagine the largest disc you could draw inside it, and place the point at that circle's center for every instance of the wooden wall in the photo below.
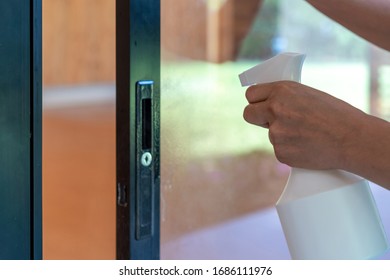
(195, 30)
(78, 41)
(184, 28)
(79, 35)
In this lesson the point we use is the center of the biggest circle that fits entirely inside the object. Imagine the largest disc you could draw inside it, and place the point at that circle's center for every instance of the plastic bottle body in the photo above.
(336, 222)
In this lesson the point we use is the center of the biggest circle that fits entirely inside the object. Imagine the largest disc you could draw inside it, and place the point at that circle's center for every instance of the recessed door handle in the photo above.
(145, 181)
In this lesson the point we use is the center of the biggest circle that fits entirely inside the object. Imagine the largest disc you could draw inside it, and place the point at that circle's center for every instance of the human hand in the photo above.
(307, 128)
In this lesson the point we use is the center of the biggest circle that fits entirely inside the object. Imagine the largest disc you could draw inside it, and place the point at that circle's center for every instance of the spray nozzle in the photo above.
(285, 66)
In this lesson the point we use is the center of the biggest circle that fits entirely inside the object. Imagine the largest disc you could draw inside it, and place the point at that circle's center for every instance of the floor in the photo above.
(79, 173)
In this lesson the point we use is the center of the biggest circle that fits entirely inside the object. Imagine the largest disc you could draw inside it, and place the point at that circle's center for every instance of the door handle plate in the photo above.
(145, 171)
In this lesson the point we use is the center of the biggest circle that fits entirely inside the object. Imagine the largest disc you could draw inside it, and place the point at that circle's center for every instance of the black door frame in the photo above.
(137, 81)
(21, 129)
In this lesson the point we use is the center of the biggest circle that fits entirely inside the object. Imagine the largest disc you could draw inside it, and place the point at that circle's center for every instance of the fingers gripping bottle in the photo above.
(327, 214)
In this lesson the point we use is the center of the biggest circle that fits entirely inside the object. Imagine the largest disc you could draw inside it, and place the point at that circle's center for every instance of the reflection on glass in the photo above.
(215, 167)
(219, 177)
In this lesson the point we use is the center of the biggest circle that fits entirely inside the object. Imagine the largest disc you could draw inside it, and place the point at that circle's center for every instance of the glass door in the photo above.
(219, 177)
(79, 129)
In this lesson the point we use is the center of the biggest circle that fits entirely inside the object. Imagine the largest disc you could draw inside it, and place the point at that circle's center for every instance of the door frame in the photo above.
(21, 129)
(137, 73)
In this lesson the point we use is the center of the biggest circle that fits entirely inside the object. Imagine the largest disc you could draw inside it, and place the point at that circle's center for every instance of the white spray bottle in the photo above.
(327, 214)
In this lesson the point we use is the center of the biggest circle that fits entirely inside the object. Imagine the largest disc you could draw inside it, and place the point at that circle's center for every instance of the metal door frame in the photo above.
(137, 72)
(21, 129)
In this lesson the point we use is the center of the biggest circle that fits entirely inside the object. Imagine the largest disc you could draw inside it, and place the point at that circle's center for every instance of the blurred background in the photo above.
(219, 177)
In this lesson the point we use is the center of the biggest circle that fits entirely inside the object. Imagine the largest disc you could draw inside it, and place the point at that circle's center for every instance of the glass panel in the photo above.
(219, 177)
(79, 129)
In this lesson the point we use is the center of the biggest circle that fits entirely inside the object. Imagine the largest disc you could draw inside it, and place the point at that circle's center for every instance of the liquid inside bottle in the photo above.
(330, 215)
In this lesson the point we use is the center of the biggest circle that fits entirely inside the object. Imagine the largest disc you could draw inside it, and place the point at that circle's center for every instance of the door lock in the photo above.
(146, 159)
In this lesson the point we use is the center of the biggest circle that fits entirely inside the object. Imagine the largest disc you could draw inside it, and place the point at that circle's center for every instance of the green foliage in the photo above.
(258, 43)
(293, 25)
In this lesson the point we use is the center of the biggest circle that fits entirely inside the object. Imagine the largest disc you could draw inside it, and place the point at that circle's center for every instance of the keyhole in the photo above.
(146, 159)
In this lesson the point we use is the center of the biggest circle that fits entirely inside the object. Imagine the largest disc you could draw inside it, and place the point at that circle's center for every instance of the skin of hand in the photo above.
(312, 129)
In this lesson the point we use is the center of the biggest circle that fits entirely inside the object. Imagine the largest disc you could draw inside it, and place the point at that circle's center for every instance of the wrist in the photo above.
(356, 144)
(367, 152)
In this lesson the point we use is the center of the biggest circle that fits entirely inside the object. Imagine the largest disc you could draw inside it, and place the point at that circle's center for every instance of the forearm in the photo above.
(368, 152)
(369, 19)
